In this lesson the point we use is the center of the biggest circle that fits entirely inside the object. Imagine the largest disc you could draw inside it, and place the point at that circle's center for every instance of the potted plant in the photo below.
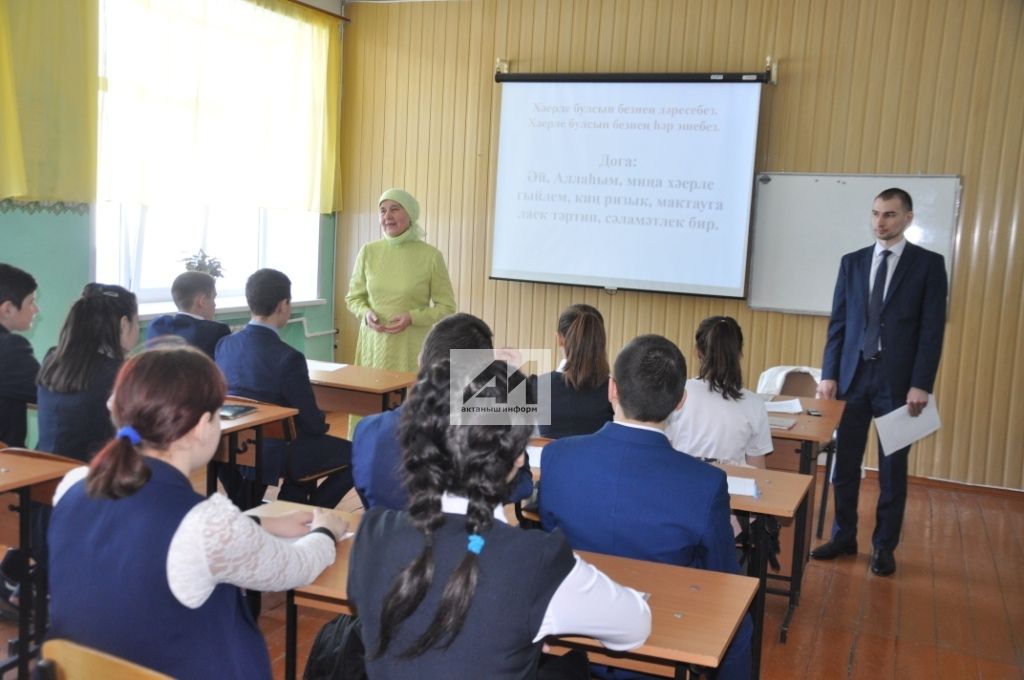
(201, 262)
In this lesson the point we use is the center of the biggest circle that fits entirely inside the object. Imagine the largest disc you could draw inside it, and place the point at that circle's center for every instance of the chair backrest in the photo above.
(795, 381)
(799, 385)
(66, 660)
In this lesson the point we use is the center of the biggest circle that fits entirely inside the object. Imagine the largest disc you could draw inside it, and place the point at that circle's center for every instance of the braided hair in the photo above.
(468, 460)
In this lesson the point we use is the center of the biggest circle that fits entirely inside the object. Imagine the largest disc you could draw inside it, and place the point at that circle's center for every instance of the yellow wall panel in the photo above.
(866, 86)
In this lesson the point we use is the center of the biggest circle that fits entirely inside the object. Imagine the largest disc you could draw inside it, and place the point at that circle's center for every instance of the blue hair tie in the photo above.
(475, 544)
(129, 433)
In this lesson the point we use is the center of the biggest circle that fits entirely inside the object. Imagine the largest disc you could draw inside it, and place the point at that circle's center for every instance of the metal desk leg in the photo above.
(25, 593)
(799, 556)
(759, 565)
(808, 457)
(291, 625)
(829, 459)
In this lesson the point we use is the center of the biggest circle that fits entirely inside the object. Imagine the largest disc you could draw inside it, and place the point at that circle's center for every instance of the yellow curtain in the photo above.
(12, 162)
(330, 170)
(48, 83)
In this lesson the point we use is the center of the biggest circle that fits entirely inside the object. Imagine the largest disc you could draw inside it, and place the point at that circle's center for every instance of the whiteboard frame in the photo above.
(759, 278)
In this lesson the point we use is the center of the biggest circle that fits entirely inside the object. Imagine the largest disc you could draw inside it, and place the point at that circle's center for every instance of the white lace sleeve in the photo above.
(70, 479)
(216, 543)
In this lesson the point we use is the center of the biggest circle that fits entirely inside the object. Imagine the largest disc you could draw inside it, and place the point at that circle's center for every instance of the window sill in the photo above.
(226, 307)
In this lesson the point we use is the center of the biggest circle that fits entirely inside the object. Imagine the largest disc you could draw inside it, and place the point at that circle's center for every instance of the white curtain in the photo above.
(211, 135)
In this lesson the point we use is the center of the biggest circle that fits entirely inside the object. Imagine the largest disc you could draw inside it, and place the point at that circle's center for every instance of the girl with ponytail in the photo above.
(446, 589)
(721, 420)
(579, 388)
(143, 567)
(77, 375)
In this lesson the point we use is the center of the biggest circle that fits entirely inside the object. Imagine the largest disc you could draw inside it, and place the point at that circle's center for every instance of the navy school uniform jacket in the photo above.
(196, 332)
(18, 371)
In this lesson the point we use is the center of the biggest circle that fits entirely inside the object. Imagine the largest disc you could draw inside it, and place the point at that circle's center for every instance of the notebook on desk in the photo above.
(232, 411)
(781, 423)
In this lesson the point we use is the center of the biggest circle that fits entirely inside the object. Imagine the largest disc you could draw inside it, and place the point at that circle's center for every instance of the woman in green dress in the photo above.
(399, 288)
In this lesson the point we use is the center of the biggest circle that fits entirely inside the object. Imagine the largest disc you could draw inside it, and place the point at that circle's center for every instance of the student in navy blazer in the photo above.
(259, 365)
(376, 451)
(18, 365)
(194, 295)
(882, 352)
(625, 491)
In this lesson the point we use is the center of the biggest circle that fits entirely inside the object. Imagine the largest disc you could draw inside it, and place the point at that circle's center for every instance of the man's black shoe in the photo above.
(833, 549)
(882, 562)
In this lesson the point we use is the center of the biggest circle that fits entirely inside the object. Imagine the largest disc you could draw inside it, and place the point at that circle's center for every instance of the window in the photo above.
(214, 134)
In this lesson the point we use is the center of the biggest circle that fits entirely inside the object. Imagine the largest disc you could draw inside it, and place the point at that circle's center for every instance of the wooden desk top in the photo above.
(264, 413)
(695, 613)
(18, 471)
(359, 378)
(781, 492)
(816, 429)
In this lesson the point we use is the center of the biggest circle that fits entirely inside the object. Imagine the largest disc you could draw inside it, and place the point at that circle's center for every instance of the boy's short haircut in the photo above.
(650, 374)
(265, 289)
(188, 286)
(15, 285)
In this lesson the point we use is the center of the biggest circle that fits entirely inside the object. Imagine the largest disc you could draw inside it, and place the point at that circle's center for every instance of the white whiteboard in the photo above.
(804, 224)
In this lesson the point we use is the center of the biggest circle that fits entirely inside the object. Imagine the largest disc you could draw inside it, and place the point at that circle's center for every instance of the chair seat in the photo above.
(66, 660)
(320, 474)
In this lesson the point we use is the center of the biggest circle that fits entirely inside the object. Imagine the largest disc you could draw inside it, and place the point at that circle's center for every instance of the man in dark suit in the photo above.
(376, 450)
(625, 491)
(195, 295)
(18, 365)
(883, 348)
(258, 364)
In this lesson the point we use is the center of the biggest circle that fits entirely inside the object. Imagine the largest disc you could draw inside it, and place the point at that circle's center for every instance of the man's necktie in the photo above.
(870, 345)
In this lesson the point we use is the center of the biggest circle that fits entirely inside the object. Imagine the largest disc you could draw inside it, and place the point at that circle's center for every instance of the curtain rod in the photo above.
(321, 10)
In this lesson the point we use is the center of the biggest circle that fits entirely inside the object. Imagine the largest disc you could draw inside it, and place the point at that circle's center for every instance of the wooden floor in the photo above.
(954, 608)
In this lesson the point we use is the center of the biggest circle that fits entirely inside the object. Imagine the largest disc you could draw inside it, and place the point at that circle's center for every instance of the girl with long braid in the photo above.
(446, 588)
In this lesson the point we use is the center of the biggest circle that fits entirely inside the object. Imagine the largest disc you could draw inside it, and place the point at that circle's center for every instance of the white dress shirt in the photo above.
(894, 257)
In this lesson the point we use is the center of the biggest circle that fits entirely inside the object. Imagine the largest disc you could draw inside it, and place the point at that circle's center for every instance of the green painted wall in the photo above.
(57, 250)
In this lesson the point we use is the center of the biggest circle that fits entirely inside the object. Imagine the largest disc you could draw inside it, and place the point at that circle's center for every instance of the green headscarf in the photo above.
(412, 207)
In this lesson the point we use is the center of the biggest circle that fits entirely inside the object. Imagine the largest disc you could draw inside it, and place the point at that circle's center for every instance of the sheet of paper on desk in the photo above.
(781, 423)
(787, 406)
(534, 453)
(897, 429)
(314, 365)
(743, 486)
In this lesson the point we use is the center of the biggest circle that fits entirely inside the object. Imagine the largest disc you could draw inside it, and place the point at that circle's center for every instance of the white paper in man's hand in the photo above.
(898, 428)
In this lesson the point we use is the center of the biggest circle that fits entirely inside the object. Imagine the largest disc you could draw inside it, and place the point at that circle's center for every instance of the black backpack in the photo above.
(337, 652)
